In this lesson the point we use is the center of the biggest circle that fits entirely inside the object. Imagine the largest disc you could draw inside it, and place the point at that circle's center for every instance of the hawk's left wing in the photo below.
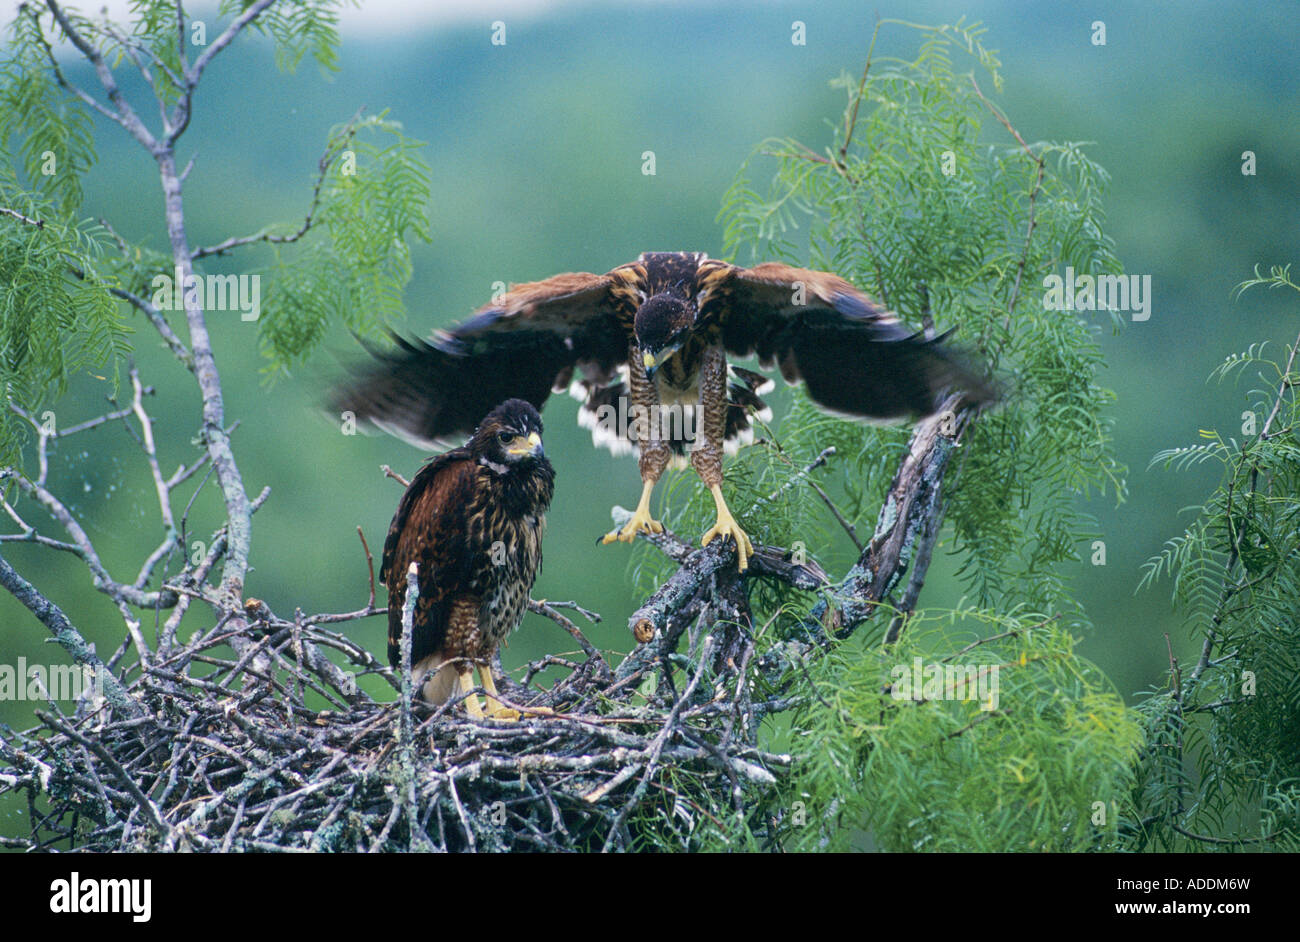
(855, 357)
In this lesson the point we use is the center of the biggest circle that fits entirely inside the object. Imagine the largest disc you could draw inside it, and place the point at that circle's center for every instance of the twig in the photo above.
(390, 473)
(370, 563)
(38, 223)
(543, 607)
(337, 146)
(1041, 167)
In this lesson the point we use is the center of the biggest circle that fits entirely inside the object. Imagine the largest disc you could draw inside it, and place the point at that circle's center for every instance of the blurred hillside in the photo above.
(536, 152)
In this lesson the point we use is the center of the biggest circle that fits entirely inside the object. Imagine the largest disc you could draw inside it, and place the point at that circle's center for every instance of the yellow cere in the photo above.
(521, 446)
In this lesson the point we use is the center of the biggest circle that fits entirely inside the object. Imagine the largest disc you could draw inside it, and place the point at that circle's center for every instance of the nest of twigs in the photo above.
(247, 737)
(274, 747)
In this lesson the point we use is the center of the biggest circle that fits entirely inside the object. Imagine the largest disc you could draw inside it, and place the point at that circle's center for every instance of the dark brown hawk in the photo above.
(645, 348)
(473, 520)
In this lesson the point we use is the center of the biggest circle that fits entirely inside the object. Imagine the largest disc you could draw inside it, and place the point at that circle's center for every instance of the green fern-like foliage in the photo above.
(52, 323)
(45, 133)
(301, 28)
(65, 281)
(353, 267)
(925, 196)
(1010, 742)
(875, 204)
(56, 316)
(1221, 769)
(298, 29)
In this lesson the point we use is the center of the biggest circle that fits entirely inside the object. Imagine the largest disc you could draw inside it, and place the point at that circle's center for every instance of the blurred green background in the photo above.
(535, 149)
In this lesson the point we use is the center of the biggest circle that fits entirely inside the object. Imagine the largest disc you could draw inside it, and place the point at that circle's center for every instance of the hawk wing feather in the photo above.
(854, 357)
(523, 345)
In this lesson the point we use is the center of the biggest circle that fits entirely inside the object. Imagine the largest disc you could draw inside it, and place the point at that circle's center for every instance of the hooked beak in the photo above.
(652, 361)
(533, 447)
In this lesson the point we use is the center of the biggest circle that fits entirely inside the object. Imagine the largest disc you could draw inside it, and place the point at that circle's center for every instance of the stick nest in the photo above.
(278, 749)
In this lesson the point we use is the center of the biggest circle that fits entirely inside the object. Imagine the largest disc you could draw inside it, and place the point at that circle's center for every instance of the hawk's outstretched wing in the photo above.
(523, 346)
(855, 357)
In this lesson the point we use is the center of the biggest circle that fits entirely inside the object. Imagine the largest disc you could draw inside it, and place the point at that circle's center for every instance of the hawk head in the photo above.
(509, 438)
(662, 324)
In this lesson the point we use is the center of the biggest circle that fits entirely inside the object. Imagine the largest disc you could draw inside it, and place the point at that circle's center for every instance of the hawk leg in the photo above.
(495, 708)
(706, 456)
(465, 679)
(727, 527)
(641, 520)
(654, 452)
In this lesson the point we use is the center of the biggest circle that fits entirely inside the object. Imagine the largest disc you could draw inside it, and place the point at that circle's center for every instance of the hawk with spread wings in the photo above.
(644, 347)
(472, 520)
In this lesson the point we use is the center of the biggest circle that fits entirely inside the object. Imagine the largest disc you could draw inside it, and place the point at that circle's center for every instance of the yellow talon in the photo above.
(641, 521)
(727, 527)
(497, 710)
(534, 711)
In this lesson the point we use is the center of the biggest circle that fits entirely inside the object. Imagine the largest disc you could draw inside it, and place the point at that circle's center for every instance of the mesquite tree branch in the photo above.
(201, 358)
(337, 146)
(67, 635)
(909, 522)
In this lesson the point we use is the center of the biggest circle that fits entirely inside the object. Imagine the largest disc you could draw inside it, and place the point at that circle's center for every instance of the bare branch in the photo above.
(250, 13)
(326, 161)
(548, 609)
(38, 223)
(912, 509)
(174, 343)
(151, 451)
(83, 547)
(52, 617)
(125, 115)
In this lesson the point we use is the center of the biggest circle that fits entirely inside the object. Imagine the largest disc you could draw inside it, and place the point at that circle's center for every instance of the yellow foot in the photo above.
(641, 521)
(465, 679)
(511, 715)
(497, 710)
(727, 527)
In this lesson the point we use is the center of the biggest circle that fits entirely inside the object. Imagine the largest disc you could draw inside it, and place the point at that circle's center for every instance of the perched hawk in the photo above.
(645, 348)
(473, 520)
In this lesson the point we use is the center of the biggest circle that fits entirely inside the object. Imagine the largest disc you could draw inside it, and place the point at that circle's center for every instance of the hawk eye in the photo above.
(505, 437)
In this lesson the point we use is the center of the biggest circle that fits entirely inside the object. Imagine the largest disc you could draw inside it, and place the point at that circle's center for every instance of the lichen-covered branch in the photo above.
(66, 634)
(909, 520)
